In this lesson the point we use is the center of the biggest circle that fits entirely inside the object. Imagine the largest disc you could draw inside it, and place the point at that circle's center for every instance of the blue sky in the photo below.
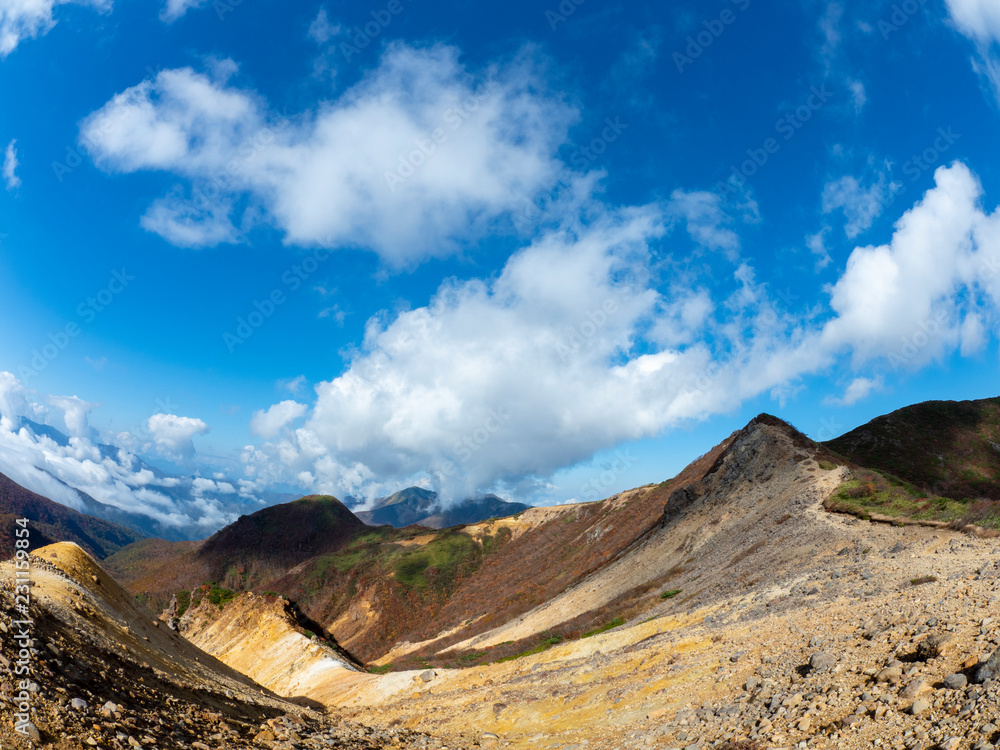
(552, 252)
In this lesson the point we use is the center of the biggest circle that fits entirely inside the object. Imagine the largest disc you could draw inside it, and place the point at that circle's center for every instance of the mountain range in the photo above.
(778, 592)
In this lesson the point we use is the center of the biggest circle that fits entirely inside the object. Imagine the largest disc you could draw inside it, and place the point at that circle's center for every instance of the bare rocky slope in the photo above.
(783, 624)
(373, 589)
(738, 613)
(104, 674)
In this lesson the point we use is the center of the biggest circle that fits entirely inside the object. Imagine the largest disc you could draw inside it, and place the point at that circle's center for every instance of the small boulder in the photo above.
(956, 681)
(914, 688)
(890, 674)
(78, 704)
(920, 706)
(822, 662)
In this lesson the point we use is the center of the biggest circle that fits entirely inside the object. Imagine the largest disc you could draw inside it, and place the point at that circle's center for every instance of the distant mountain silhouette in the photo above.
(417, 506)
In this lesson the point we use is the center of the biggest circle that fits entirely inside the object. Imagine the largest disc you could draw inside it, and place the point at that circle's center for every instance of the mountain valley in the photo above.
(730, 607)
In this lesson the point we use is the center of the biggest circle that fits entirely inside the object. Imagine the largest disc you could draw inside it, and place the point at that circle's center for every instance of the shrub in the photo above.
(604, 628)
(922, 580)
(670, 594)
(183, 602)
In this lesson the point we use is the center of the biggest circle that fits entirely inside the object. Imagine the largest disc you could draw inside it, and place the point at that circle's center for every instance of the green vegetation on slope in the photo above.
(870, 492)
(946, 448)
(438, 563)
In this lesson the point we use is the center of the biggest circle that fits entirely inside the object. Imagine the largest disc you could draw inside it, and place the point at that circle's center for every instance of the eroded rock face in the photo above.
(260, 637)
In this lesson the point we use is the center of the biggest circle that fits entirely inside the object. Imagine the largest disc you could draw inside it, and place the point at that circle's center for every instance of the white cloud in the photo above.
(321, 30)
(75, 414)
(174, 9)
(14, 398)
(174, 435)
(980, 21)
(705, 220)
(269, 423)
(505, 382)
(858, 94)
(28, 19)
(861, 205)
(500, 383)
(58, 472)
(858, 390)
(293, 385)
(186, 224)
(902, 299)
(201, 486)
(817, 246)
(363, 170)
(10, 165)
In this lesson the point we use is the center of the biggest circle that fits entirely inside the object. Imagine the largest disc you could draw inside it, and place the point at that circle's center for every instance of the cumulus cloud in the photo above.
(202, 486)
(507, 381)
(417, 156)
(13, 397)
(858, 390)
(75, 414)
(28, 19)
(10, 165)
(184, 223)
(498, 384)
(269, 423)
(978, 19)
(175, 435)
(902, 300)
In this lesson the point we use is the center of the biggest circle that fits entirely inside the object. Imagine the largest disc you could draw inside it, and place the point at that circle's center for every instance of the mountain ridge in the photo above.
(51, 522)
